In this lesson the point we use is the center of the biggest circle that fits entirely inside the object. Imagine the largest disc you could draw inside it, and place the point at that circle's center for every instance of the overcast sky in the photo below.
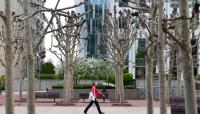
(51, 4)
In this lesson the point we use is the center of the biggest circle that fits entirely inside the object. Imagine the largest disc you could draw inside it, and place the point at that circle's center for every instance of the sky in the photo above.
(51, 4)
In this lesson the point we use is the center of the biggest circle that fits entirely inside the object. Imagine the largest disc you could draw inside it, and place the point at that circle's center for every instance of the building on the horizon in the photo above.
(90, 43)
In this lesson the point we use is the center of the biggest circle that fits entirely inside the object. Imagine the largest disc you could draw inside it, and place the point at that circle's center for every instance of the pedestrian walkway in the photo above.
(79, 110)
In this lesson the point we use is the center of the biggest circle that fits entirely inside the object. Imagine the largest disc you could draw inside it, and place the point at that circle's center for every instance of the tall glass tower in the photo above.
(95, 19)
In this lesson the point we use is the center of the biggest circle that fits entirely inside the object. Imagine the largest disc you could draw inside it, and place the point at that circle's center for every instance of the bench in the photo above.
(46, 94)
(86, 95)
(177, 104)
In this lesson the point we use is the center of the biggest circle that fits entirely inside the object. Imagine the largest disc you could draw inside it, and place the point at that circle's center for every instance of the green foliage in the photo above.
(57, 86)
(92, 69)
(88, 86)
(61, 74)
(125, 70)
(47, 68)
(48, 77)
(111, 79)
(140, 53)
(198, 77)
(2, 82)
(2, 78)
(82, 86)
(128, 79)
(155, 76)
(197, 85)
(2, 87)
(130, 87)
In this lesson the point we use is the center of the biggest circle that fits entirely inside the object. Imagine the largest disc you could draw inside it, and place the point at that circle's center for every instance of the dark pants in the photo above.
(89, 105)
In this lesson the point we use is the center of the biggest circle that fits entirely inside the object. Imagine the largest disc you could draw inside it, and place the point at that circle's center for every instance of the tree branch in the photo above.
(177, 18)
(2, 63)
(3, 16)
(53, 10)
(165, 30)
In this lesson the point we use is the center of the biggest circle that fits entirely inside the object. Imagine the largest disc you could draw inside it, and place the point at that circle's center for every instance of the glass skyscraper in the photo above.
(95, 19)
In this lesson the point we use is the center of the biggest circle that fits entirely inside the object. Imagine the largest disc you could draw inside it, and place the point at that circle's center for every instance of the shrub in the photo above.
(92, 69)
(48, 77)
(61, 74)
(129, 87)
(155, 76)
(57, 86)
(2, 87)
(140, 53)
(111, 79)
(198, 77)
(128, 79)
(197, 84)
(82, 86)
(47, 68)
(2, 81)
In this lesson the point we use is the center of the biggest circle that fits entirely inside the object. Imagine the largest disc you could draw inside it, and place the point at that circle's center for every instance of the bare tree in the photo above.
(118, 36)
(67, 38)
(187, 61)
(149, 58)
(160, 56)
(30, 59)
(186, 55)
(7, 18)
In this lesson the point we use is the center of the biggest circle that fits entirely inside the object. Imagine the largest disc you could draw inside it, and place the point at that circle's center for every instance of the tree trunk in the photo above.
(187, 61)
(149, 80)
(149, 66)
(21, 84)
(160, 56)
(67, 76)
(30, 59)
(23, 74)
(71, 81)
(117, 85)
(178, 83)
(121, 83)
(9, 108)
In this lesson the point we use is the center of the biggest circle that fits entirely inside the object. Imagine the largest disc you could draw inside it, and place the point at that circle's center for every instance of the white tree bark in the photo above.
(149, 80)
(179, 71)
(149, 66)
(187, 61)
(67, 75)
(9, 58)
(121, 83)
(67, 80)
(30, 59)
(160, 56)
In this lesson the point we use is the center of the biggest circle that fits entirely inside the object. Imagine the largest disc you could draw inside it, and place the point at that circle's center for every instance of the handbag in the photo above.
(91, 96)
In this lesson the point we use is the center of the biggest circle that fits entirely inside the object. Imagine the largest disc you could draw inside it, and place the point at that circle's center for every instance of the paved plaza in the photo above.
(79, 110)
(47, 106)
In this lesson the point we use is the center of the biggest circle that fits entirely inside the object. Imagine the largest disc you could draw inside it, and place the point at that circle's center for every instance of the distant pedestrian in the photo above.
(93, 98)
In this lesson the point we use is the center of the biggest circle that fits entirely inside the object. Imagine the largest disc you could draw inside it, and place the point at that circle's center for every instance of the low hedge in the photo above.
(48, 77)
(197, 84)
(88, 86)
(2, 87)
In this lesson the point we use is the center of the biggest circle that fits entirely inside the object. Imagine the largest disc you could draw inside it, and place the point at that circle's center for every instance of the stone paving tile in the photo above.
(79, 110)
(138, 107)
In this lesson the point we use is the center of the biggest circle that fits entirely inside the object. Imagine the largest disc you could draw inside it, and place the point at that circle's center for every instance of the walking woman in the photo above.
(93, 98)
